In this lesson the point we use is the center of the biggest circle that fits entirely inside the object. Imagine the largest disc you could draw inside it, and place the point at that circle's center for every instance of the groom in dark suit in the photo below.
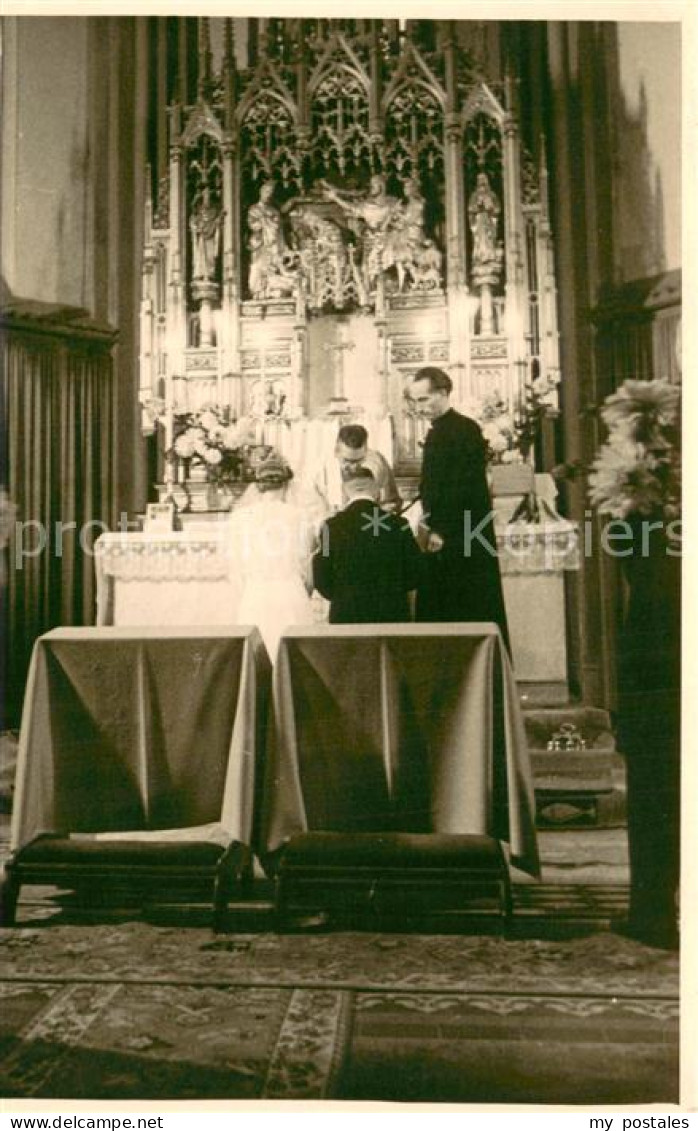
(368, 561)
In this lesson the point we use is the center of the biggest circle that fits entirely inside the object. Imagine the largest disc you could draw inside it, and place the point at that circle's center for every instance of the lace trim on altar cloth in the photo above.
(165, 560)
(549, 548)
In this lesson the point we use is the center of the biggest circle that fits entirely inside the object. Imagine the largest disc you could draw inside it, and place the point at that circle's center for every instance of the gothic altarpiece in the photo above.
(353, 207)
(349, 209)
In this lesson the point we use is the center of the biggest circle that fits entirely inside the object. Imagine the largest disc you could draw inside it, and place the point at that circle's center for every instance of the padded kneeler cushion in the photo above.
(201, 867)
(48, 850)
(405, 873)
(393, 850)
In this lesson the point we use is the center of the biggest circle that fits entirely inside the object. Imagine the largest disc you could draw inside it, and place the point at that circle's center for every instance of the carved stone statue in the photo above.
(391, 235)
(416, 258)
(267, 398)
(340, 246)
(323, 257)
(427, 268)
(205, 226)
(483, 213)
(376, 212)
(272, 266)
(257, 406)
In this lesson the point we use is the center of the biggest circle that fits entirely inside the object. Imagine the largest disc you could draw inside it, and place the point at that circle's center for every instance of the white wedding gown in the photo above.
(270, 543)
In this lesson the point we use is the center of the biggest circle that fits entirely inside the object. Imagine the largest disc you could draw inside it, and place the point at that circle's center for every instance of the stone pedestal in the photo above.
(536, 617)
(533, 558)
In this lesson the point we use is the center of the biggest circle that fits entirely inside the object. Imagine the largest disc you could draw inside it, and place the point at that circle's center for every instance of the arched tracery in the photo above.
(359, 183)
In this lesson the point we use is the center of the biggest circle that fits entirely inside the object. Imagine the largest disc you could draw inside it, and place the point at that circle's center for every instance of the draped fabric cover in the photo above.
(143, 732)
(415, 728)
(58, 405)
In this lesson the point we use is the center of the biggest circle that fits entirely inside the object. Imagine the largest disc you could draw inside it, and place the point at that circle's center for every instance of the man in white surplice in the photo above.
(352, 451)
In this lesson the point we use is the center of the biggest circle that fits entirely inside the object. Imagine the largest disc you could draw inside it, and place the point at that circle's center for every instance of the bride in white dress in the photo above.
(271, 542)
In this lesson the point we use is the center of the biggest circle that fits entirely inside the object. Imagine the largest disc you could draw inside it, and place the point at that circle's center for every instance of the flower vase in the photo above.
(198, 487)
(198, 473)
(220, 496)
(176, 492)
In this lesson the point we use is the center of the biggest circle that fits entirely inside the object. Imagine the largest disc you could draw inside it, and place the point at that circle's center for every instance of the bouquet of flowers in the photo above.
(498, 428)
(210, 438)
(536, 404)
(510, 435)
(637, 471)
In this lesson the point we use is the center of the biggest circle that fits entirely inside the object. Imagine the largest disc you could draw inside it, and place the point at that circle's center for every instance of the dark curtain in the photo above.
(59, 409)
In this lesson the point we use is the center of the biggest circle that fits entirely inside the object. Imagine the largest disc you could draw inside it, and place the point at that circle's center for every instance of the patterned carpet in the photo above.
(132, 1010)
(590, 963)
(513, 1048)
(105, 1003)
(109, 1040)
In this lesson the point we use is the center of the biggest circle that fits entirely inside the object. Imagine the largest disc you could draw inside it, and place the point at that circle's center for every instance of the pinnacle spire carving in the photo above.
(204, 57)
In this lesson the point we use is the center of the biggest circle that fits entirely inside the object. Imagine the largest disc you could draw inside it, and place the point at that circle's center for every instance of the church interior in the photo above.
(319, 859)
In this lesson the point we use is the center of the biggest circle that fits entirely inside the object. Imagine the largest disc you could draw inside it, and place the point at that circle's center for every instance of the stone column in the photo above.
(515, 284)
(457, 289)
(375, 118)
(229, 324)
(550, 343)
(148, 352)
(177, 330)
(588, 634)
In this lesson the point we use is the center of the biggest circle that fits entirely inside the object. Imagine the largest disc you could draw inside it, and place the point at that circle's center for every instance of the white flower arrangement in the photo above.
(497, 423)
(211, 438)
(511, 434)
(637, 471)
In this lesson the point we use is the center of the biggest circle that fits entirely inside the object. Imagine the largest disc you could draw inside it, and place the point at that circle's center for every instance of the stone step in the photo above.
(590, 724)
(590, 770)
(576, 785)
(570, 809)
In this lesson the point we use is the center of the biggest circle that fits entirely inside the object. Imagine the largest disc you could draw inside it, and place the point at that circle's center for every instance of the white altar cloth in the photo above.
(171, 579)
(166, 579)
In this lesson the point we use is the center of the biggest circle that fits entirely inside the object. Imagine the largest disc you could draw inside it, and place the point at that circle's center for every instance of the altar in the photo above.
(168, 579)
(315, 234)
(188, 577)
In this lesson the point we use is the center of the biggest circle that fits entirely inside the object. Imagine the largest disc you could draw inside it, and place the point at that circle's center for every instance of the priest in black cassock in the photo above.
(460, 579)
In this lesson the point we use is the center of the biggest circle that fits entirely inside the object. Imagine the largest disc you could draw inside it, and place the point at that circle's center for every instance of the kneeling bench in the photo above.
(405, 874)
(188, 868)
